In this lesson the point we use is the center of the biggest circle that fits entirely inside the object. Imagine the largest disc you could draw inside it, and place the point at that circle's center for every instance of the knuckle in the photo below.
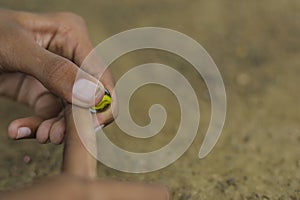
(42, 138)
(71, 19)
(71, 25)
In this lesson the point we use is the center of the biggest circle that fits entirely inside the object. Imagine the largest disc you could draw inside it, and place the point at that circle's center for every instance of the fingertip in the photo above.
(42, 134)
(24, 128)
(17, 130)
(87, 92)
(13, 130)
(57, 132)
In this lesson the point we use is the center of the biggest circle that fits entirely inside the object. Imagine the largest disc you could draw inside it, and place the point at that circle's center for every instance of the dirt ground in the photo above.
(256, 46)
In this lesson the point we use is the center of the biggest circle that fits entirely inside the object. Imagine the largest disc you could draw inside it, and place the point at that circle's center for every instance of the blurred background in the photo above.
(256, 46)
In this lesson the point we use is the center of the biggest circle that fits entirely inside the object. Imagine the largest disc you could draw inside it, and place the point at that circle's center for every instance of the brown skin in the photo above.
(78, 181)
(36, 50)
(39, 59)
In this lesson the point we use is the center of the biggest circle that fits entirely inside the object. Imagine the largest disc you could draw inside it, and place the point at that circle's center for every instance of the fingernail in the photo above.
(23, 132)
(86, 91)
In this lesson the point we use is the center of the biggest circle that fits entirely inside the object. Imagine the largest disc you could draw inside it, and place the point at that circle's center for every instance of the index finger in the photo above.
(77, 161)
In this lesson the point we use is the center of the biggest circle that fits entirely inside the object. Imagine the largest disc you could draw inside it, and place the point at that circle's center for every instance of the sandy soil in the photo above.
(256, 47)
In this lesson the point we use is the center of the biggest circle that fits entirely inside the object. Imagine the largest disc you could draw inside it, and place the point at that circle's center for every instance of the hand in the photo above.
(44, 52)
(78, 181)
(47, 122)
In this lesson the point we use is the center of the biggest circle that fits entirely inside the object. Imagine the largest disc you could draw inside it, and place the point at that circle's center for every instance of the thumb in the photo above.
(60, 76)
(77, 161)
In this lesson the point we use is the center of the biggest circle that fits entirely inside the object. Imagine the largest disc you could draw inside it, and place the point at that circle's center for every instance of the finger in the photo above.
(42, 134)
(57, 74)
(57, 131)
(96, 68)
(91, 62)
(106, 117)
(47, 106)
(77, 49)
(94, 65)
(77, 160)
(103, 118)
(17, 86)
(129, 191)
(62, 33)
(24, 128)
(28, 90)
